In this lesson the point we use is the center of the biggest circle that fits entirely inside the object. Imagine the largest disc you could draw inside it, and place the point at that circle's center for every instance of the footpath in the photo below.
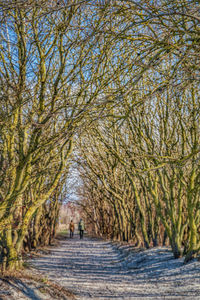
(96, 269)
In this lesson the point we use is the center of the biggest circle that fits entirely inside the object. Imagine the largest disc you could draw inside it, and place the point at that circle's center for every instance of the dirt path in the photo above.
(95, 269)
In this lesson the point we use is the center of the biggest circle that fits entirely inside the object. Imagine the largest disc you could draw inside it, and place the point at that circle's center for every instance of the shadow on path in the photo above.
(95, 269)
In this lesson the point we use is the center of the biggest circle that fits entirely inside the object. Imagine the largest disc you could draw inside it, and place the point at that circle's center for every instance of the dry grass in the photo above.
(42, 284)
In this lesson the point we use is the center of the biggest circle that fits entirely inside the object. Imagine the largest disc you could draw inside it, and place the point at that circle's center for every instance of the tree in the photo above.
(44, 55)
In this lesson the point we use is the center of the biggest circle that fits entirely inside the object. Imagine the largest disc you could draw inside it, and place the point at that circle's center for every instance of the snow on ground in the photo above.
(96, 269)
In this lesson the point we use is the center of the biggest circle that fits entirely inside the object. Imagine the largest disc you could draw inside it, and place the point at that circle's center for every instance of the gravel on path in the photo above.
(96, 269)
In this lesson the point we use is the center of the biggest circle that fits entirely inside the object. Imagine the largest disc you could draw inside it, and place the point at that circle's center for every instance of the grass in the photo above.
(63, 232)
(44, 280)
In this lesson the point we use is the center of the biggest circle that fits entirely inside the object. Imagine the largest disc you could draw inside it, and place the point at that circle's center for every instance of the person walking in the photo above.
(71, 229)
(81, 228)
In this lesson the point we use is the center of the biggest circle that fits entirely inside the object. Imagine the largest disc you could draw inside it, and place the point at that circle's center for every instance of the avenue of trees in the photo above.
(118, 81)
(139, 166)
